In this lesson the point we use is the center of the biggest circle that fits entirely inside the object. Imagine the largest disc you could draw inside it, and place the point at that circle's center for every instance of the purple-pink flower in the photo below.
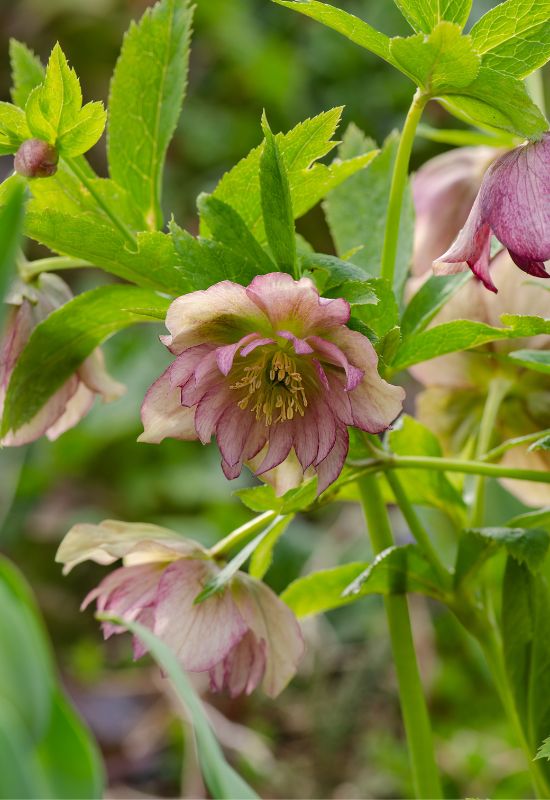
(513, 204)
(30, 304)
(242, 637)
(272, 371)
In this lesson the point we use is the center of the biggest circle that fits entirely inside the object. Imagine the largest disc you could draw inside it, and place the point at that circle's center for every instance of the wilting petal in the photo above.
(201, 635)
(272, 622)
(162, 413)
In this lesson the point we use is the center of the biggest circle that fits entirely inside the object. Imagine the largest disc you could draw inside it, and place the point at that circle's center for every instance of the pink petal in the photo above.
(232, 433)
(256, 343)
(306, 444)
(242, 669)
(301, 347)
(76, 409)
(162, 414)
(94, 374)
(210, 408)
(279, 442)
(331, 467)
(331, 353)
(201, 635)
(45, 419)
(226, 354)
(185, 364)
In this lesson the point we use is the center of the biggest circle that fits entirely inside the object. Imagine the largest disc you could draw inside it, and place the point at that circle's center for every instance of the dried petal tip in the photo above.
(36, 159)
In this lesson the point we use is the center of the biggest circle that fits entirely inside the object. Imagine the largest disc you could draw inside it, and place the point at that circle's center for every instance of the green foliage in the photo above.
(27, 72)
(221, 779)
(54, 110)
(544, 750)
(514, 37)
(467, 138)
(356, 211)
(263, 498)
(322, 591)
(537, 360)
(59, 344)
(527, 546)
(308, 181)
(429, 300)
(277, 203)
(146, 94)
(45, 750)
(541, 444)
(425, 15)
(440, 61)
(398, 570)
(13, 128)
(262, 557)
(11, 224)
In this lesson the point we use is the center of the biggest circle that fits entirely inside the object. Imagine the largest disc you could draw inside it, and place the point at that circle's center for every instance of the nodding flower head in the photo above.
(272, 371)
(513, 204)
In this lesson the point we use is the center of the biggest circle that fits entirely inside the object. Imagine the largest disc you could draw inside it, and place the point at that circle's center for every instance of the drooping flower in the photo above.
(513, 204)
(444, 191)
(242, 637)
(274, 373)
(30, 304)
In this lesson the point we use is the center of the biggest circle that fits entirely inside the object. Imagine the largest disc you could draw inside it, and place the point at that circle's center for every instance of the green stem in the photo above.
(413, 703)
(239, 534)
(30, 269)
(398, 184)
(497, 390)
(75, 167)
(497, 452)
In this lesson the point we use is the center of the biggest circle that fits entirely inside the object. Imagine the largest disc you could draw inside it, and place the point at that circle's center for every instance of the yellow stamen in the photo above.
(275, 385)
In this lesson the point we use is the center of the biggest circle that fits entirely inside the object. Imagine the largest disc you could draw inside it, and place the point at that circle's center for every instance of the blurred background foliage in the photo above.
(336, 732)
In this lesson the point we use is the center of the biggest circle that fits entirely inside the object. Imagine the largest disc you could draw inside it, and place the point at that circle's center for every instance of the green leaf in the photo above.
(372, 302)
(86, 131)
(11, 224)
(329, 272)
(525, 621)
(429, 300)
(59, 344)
(263, 498)
(356, 211)
(531, 519)
(514, 37)
(541, 444)
(276, 202)
(221, 779)
(52, 107)
(353, 28)
(544, 750)
(308, 182)
(322, 591)
(398, 570)
(27, 72)
(497, 101)
(228, 227)
(467, 138)
(528, 546)
(424, 15)
(154, 265)
(443, 60)
(537, 360)
(220, 581)
(145, 100)
(409, 438)
(13, 128)
(262, 557)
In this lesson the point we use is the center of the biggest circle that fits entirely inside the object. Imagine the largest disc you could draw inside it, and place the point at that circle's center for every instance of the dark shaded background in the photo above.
(336, 731)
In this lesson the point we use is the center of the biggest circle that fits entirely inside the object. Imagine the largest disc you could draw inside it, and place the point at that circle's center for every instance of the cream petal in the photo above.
(163, 415)
(94, 374)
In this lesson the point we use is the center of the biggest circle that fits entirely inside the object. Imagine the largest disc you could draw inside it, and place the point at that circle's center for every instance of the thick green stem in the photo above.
(240, 534)
(30, 269)
(398, 184)
(497, 390)
(75, 167)
(413, 703)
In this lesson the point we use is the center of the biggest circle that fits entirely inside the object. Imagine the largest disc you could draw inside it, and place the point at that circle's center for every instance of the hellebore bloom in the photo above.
(444, 191)
(32, 303)
(274, 373)
(513, 204)
(242, 636)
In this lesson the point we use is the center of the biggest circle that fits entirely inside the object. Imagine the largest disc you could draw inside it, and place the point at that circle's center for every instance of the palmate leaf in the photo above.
(59, 344)
(145, 100)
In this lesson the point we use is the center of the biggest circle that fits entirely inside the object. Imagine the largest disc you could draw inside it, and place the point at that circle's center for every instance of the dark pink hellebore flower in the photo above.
(513, 204)
(272, 371)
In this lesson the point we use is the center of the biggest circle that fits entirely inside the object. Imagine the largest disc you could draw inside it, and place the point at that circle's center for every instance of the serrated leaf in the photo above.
(531, 519)
(514, 37)
(443, 60)
(398, 570)
(429, 300)
(424, 15)
(86, 131)
(59, 344)
(527, 546)
(356, 211)
(276, 203)
(13, 128)
(308, 182)
(537, 360)
(353, 28)
(329, 272)
(145, 100)
(52, 107)
(498, 101)
(372, 302)
(544, 750)
(221, 779)
(27, 72)
(322, 591)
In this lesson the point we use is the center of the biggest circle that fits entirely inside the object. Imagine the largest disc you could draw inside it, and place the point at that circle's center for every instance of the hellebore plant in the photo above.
(293, 360)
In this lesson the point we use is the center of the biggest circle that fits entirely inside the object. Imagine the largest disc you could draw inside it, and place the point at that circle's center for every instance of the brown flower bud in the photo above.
(36, 159)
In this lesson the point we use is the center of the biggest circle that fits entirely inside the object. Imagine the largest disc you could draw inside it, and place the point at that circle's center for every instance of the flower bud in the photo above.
(36, 159)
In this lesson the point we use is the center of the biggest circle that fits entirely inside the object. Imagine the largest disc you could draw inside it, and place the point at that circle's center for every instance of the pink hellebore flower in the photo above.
(242, 636)
(32, 303)
(274, 373)
(513, 204)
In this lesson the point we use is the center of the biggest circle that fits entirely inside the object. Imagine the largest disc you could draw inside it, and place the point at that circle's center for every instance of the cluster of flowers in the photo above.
(274, 373)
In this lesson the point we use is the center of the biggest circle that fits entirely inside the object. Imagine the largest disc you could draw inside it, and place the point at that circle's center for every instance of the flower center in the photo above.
(273, 388)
